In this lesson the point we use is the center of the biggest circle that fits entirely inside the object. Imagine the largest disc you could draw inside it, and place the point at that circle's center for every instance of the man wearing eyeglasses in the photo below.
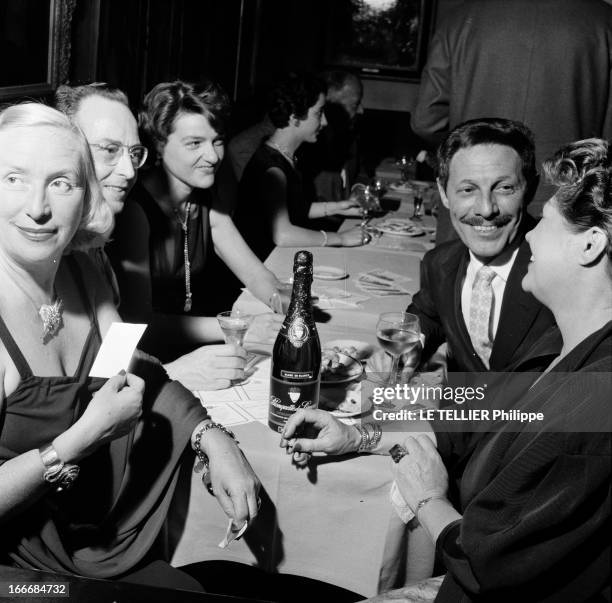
(104, 116)
(112, 133)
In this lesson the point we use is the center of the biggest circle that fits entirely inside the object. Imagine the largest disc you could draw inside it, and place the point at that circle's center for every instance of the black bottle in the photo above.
(296, 357)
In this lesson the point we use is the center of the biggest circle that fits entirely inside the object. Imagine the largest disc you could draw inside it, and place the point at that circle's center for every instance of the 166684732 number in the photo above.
(34, 589)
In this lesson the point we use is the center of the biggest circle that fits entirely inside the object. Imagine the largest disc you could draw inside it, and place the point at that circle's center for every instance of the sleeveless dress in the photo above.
(168, 274)
(253, 215)
(108, 522)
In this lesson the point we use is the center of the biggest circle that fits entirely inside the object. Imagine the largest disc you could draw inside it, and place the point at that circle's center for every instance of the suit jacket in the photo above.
(546, 63)
(523, 319)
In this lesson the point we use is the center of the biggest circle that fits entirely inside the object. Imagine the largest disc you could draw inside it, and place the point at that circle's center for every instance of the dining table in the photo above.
(332, 521)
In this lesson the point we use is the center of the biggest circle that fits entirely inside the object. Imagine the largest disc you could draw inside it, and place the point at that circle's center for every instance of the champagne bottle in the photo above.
(296, 357)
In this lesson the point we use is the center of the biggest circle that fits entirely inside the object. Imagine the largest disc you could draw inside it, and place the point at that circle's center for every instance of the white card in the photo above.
(117, 349)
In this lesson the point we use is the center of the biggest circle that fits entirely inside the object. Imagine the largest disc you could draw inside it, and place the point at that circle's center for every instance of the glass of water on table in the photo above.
(399, 334)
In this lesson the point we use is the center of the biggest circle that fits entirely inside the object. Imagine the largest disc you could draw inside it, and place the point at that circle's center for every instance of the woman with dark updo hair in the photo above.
(274, 208)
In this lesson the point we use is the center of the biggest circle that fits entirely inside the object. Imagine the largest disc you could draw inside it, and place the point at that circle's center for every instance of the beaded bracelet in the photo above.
(203, 460)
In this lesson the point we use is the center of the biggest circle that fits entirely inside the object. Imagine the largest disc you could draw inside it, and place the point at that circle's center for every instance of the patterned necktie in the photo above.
(480, 313)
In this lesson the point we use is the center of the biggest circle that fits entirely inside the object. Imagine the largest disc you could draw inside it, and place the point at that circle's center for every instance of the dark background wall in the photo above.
(243, 44)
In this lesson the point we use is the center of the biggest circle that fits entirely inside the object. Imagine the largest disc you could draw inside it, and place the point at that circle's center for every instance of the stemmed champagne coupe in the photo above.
(399, 334)
(234, 324)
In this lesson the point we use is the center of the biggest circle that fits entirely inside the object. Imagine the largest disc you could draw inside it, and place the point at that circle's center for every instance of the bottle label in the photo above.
(287, 397)
(297, 375)
(298, 332)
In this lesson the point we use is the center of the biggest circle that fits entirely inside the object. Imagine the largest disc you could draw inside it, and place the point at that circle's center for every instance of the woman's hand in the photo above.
(264, 328)
(263, 285)
(354, 237)
(421, 473)
(209, 367)
(349, 208)
(113, 411)
(234, 482)
(333, 437)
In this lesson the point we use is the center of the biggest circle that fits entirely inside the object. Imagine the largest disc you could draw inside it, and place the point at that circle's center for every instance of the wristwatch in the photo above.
(57, 473)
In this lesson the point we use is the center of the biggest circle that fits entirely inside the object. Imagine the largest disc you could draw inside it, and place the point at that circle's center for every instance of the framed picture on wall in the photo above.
(384, 39)
(34, 46)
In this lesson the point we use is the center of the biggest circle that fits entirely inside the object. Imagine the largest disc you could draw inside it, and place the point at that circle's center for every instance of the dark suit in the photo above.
(522, 320)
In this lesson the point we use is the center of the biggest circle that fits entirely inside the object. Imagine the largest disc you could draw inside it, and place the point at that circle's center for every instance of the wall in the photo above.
(244, 44)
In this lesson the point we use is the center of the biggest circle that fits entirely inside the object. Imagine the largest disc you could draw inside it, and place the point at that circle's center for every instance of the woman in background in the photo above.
(273, 207)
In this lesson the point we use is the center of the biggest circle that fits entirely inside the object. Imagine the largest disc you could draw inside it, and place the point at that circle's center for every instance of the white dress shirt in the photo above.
(498, 284)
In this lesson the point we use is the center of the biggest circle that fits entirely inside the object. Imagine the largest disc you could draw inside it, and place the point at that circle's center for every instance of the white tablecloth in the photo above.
(332, 522)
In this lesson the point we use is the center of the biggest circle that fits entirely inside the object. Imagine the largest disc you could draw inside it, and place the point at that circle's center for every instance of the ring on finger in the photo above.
(397, 453)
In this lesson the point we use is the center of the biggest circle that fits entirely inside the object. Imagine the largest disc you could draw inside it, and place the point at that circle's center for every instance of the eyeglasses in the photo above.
(112, 152)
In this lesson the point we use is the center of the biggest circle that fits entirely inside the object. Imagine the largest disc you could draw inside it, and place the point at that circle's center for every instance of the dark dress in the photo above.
(259, 194)
(535, 498)
(107, 524)
(168, 276)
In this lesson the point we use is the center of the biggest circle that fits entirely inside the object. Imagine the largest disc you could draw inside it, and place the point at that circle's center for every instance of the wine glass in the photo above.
(419, 191)
(234, 324)
(378, 188)
(407, 166)
(399, 334)
(361, 194)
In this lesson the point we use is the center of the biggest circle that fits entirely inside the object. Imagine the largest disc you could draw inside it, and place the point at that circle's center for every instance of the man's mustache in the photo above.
(497, 221)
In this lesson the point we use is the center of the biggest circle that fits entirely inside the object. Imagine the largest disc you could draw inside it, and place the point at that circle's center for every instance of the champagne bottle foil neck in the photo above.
(302, 261)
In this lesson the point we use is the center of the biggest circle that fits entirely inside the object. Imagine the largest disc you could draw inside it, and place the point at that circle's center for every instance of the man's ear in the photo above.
(442, 193)
(293, 120)
(593, 244)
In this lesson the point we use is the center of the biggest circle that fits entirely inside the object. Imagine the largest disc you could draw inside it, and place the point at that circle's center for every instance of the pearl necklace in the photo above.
(291, 158)
(184, 223)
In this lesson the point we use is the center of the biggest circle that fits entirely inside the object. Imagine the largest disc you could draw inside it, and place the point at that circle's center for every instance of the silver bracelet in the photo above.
(325, 239)
(57, 473)
(365, 438)
(423, 502)
(368, 442)
(203, 463)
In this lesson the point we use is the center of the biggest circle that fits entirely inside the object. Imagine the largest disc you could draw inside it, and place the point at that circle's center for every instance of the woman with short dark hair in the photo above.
(161, 254)
(274, 208)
